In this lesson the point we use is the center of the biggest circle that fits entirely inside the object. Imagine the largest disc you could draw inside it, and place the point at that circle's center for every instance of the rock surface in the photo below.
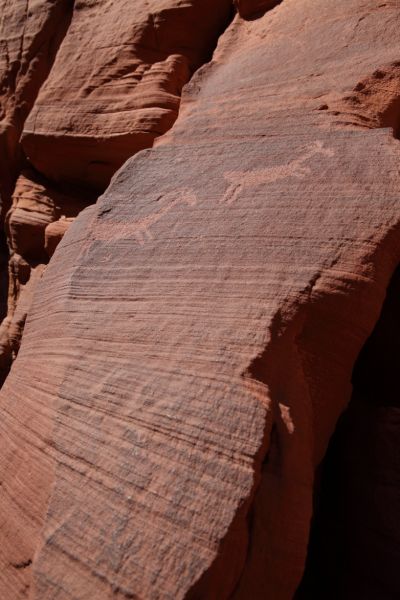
(116, 83)
(30, 34)
(250, 8)
(38, 218)
(114, 87)
(55, 232)
(189, 348)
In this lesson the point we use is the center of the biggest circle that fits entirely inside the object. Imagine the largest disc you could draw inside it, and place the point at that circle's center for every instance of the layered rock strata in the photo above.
(114, 87)
(30, 34)
(116, 83)
(190, 346)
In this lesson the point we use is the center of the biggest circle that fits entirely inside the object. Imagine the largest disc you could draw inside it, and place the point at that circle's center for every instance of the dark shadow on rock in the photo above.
(251, 10)
(354, 548)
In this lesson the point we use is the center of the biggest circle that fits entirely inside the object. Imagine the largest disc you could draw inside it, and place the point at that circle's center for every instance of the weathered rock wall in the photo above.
(116, 83)
(30, 34)
(190, 346)
(114, 87)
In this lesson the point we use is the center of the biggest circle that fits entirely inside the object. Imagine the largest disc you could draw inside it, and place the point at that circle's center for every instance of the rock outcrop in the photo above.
(35, 224)
(116, 83)
(30, 34)
(189, 349)
(114, 87)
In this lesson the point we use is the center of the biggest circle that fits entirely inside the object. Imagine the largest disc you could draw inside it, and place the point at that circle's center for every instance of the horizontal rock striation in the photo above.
(116, 83)
(189, 348)
(36, 206)
(114, 87)
(30, 34)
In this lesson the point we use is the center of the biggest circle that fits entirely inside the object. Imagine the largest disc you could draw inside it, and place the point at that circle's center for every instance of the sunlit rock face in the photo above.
(88, 84)
(116, 83)
(189, 349)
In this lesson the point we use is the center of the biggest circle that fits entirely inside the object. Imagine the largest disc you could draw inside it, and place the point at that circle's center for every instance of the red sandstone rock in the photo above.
(54, 233)
(190, 345)
(36, 205)
(18, 318)
(32, 210)
(30, 34)
(251, 8)
(129, 68)
(354, 547)
(116, 83)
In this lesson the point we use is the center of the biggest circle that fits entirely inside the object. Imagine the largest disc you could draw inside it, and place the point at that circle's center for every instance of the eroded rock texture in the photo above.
(114, 87)
(30, 33)
(116, 83)
(190, 346)
(35, 223)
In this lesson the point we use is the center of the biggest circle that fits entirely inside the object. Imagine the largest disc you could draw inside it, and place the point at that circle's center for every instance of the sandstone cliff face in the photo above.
(114, 87)
(189, 348)
(116, 83)
(30, 33)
